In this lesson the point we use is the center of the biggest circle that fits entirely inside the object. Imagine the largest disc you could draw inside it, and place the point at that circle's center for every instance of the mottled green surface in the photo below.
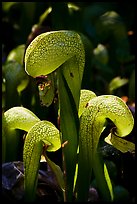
(42, 133)
(51, 49)
(94, 117)
(120, 143)
(64, 52)
(92, 123)
(20, 118)
(114, 108)
(85, 97)
(45, 131)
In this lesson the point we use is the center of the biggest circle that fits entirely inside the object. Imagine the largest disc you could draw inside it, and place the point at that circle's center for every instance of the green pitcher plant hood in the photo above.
(39, 134)
(62, 52)
(92, 123)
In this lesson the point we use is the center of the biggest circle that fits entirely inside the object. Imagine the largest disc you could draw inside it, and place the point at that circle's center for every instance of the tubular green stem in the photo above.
(40, 133)
(69, 129)
(64, 52)
(92, 123)
(105, 187)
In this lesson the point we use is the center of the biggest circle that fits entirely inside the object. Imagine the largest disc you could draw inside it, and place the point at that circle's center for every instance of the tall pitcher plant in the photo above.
(64, 52)
(83, 117)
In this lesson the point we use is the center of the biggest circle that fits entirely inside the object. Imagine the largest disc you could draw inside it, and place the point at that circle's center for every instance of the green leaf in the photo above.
(50, 50)
(20, 118)
(45, 131)
(6, 6)
(102, 177)
(44, 15)
(69, 125)
(42, 133)
(108, 181)
(120, 143)
(17, 54)
(14, 70)
(111, 26)
(31, 161)
(116, 82)
(85, 97)
(58, 173)
(101, 54)
(92, 123)
(62, 50)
